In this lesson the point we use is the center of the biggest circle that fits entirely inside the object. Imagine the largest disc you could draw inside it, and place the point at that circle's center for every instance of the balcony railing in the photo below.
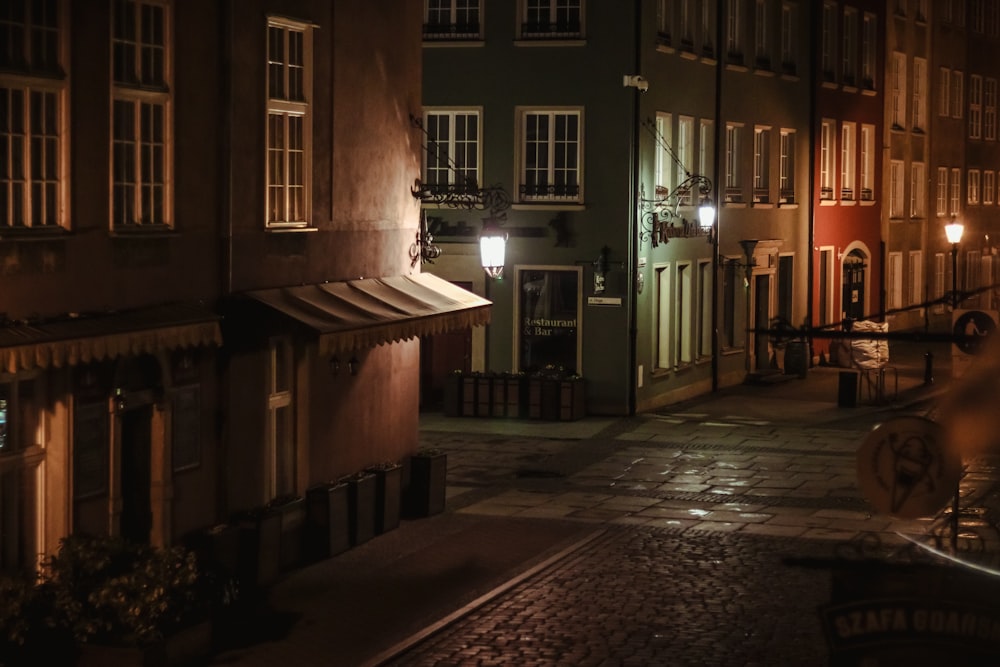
(867, 194)
(734, 195)
(826, 193)
(562, 30)
(847, 194)
(451, 31)
(545, 192)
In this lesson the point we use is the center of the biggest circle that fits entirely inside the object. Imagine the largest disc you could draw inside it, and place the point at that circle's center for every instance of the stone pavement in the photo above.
(658, 539)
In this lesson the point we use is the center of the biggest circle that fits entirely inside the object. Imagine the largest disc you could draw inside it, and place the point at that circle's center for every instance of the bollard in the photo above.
(928, 367)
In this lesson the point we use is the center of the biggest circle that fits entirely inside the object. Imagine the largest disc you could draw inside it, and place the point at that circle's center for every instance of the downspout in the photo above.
(633, 222)
(716, 173)
(811, 207)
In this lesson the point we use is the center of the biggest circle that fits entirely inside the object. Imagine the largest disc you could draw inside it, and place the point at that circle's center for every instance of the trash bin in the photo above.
(797, 358)
(847, 391)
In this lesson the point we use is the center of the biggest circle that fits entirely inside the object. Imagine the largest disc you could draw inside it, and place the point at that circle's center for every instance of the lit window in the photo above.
(552, 19)
(551, 155)
(452, 159)
(452, 19)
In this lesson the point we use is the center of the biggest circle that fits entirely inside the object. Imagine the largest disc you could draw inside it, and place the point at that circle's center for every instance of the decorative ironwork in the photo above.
(423, 249)
(659, 218)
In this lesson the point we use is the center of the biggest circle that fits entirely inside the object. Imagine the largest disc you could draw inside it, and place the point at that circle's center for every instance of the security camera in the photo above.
(635, 81)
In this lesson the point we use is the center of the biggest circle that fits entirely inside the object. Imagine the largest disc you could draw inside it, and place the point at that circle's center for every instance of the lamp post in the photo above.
(953, 232)
(749, 245)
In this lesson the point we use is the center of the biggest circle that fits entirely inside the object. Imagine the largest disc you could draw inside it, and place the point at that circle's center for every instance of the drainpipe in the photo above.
(716, 174)
(633, 222)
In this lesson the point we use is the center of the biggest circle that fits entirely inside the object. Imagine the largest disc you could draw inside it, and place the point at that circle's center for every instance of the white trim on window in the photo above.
(550, 163)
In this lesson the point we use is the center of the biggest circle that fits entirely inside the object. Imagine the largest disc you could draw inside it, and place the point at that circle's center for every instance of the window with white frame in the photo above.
(762, 46)
(707, 28)
(990, 106)
(142, 126)
(849, 48)
(786, 167)
(955, 183)
(734, 27)
(975, 106)
(452, 159)
(705, 320)
(684, 322)
(552, 19)
(896, 184)
(828, 41)
(22, 455)
(917, 191)
(895, 279)
(734, 174)
(664, 332)
(916, 279)
(789, 55)
(706, 147)
(289, 123)
(942, 191)
(848, 161)
(921, 14)
(867, 163)
(33, 117)
(664, 159)
(919, 94)
(551, 155)
(827, 159)
(957, 93)
(898, 90)
(761, 165)
(452, 19)
(989, 186)
(685, 154)
(972, 266)
(663, 20)
(944, 92)
(687, 25)
(280, 473)
(939, 276)
(869, 50)
(973, 186)
(986, 298)
(977, 16)
(825, 309)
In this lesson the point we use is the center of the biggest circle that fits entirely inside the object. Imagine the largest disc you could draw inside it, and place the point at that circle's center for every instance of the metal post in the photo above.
(958, 485)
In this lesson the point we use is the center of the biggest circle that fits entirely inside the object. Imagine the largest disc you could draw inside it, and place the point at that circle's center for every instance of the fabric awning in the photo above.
(82, 339)
(356, 314)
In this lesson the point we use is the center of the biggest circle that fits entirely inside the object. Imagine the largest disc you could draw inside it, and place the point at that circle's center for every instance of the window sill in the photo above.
(143, 232)
(761, 204)
(33, 234)
(827, 202)
(765, 73)
(550, 42)
(790, 77)
(848, 202)
(867, 202)
(548, 206)
(734, 204)
(290, 230)
(789, 204)
(451, 43)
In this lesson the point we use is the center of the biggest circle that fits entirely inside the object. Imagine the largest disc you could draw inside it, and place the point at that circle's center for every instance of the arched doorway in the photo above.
(853, 282)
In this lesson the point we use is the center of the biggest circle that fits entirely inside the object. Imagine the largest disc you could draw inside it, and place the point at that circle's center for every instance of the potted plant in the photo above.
(425, 494)
(31, 631)
(388, 490)
(326, 528)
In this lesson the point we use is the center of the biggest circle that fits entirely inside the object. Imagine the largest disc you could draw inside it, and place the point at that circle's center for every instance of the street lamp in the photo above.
(492, 246)
(953, 232)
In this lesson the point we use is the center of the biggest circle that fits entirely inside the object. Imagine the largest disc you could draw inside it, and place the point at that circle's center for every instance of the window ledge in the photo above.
(444, 43)
(867, 202)
(788, 204)
(730, 67)
(33, 234)
(734, 204)
(548, 206)
(143, 232)
(869, 92)
(790, 77)
(761, 204)
(848, 202)
(689, 55)
(550, 42)
(290, 230)
(830, 85)
(665, 48)
(765, 73)
(827, 202)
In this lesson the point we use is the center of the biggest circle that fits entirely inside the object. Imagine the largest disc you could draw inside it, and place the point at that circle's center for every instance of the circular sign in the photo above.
(905, 468)
(972, 329)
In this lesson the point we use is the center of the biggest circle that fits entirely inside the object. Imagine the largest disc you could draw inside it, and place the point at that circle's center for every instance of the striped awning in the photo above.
(357, 314)
(82, 339)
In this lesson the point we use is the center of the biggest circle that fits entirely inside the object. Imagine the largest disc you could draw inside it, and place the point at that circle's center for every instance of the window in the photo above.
(869, 46)
(548, 310)
(919, 94)
(552, 19)
(990, 115)
(921, 11)
(849, 52)
(451, 160)
(939, 275)
(786, 287)
(825, 310)
(33, 123)
(21, 456)
(289, 123)
(975, 106)
(898, 84)
(956, 94)
(141, 116)
(664, 159)
(734, 175)
(942, 191)
(896, 189)
(761, 164)
(762, 47)
(827, 158)
(551, 168)
(707, 29)
(828, 41)
(706, 147)
(734, 26)
(917, 197)
(705, 287)
(895, 280)
(977, 16)
(687, 25)
(787, 167)
(867, 163)
(730, 276)
(663, 20)
(452, 19)
(280, 476)
(788, 39)
(956, 191)
(685, 312)
(664, 337)
(973, 186)
(916, 280)
(944, 92)
(685, 154)
(847, 161)
(989, 186)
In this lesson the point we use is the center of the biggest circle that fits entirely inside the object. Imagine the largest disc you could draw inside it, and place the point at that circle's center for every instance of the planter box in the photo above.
(327, 527)
(260, 548)
(293, 517)
(452, 395)
(498, 396)
(468, 395)
(543, 399)
(572, 399)
(516, 396)
(425, 496)
(484, 395)
(189, 646)
(388, 491)
(361, 508)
